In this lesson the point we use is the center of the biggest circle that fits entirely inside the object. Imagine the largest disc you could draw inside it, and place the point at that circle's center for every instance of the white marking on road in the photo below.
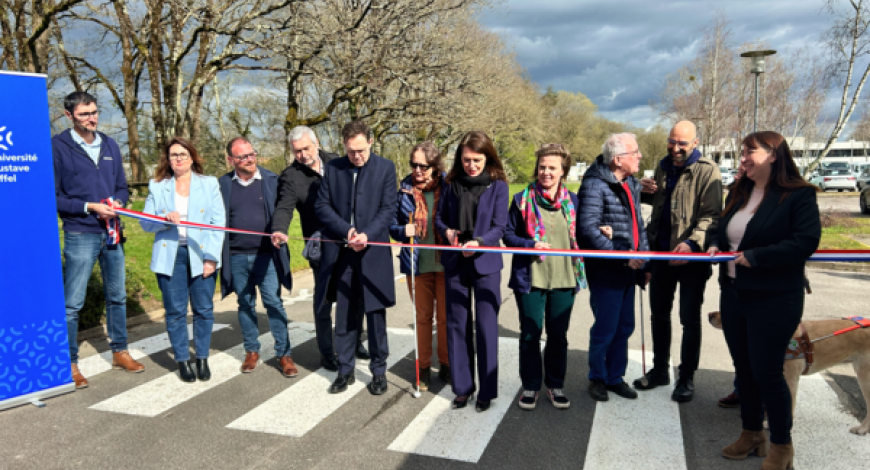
(638, 434)
(97, 364)
(440, 431)
(306, 403)
(165, 392)
(821, 430)
(303, 296)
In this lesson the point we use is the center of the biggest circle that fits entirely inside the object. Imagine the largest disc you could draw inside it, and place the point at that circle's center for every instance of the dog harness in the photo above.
(801, 347)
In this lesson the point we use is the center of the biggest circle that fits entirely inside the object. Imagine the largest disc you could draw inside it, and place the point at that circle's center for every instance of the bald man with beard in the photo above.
(686, 196)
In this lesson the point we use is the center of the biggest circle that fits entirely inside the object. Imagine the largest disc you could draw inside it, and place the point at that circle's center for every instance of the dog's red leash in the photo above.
(860, 322)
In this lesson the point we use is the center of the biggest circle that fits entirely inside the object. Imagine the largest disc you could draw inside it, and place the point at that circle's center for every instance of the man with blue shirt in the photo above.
(686, 196)
(88, 174)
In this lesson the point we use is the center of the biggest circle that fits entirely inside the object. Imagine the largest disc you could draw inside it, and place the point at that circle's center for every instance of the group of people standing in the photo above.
(770, 219)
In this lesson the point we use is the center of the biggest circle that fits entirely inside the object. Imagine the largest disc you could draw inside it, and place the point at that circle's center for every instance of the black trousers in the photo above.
(692, 278)
(758, 326)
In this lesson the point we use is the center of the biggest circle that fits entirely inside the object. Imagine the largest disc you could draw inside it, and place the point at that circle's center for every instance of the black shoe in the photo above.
(684, 391)
(203, 373)
(361, 352)
(482, 406)
(186, 372)
(598, 391)
(460, 402)
(622, 389)
(378, 385)
(425, 378)
(329, 363)
(341, 383)
(444, 373)
(654, 378)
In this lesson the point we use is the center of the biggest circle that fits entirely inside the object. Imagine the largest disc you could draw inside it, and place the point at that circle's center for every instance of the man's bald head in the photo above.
(682, 141)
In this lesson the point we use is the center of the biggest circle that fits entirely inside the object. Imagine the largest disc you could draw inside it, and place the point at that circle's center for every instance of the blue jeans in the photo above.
(613, 309)
(178, 290)
(80, 252)
(249, 272)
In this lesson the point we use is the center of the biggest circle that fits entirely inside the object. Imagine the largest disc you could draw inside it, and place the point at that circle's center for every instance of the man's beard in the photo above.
(679, 157)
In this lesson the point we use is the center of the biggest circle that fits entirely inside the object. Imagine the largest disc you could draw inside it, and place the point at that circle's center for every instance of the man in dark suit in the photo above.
(250, 262)
(358, 277)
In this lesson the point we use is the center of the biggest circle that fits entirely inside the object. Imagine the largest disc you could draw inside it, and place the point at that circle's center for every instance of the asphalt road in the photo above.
(264, 421)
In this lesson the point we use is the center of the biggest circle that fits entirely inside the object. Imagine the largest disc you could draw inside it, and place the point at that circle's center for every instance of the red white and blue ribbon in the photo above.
(821, 255)
(113, 225)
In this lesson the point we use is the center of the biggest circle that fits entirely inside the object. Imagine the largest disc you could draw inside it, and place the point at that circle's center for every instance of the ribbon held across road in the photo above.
(821, 255)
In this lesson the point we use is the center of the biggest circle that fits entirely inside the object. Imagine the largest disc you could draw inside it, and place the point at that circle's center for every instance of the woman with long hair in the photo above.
(473, 213)
(771, 220)
(185, 259)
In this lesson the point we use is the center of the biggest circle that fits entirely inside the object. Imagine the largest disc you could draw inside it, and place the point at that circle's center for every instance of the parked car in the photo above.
(727, 178)
(863, 178)
(839, 179)
(864, 200)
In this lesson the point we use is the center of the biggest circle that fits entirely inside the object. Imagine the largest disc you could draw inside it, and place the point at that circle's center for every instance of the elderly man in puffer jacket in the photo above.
(610, 197)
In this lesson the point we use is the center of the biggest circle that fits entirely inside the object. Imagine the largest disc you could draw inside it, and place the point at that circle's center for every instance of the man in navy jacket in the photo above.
(356, 202)
(88, 172)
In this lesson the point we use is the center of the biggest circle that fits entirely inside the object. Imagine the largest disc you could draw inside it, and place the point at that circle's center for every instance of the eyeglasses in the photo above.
(678, 143)
(242, 158)
(629, 154)
(419, 166)
(179, 157)
(89, 115)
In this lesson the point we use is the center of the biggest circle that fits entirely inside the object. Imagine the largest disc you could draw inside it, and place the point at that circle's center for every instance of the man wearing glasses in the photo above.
(88, 172)
(686, 198)
(250, 262)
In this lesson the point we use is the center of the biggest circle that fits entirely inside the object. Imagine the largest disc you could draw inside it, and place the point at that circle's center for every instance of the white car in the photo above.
(727, 176)
(838, 180)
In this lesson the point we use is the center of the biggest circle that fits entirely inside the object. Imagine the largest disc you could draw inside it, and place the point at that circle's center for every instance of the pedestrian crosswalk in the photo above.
(623, 433)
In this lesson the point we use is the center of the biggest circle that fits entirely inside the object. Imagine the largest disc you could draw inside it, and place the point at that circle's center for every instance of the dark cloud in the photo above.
(619, 52)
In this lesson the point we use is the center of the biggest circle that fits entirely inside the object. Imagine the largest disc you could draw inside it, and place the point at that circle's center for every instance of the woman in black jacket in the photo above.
(771, 220)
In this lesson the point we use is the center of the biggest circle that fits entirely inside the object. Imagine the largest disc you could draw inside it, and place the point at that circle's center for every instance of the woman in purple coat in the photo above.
(472, 213)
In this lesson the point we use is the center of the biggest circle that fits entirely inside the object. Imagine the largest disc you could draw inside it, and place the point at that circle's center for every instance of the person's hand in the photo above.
(173, 217)
(713, 251)
(103, 211)
(410, 230)
(683, 247)
(742, 261)
(648, 185)
(470, 244)
(350, 234)
(208, 268)
(542, 246)
(635, 263)
(607, 231)
(451, 237)
(358, 242)
(646, 278)
(278, 239)
(117, 203)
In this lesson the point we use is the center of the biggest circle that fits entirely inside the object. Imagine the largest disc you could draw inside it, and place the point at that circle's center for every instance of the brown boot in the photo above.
(78, 378)
(251, 361)
(287, 366)
(122, 360)
(749, 441)
(781, 457)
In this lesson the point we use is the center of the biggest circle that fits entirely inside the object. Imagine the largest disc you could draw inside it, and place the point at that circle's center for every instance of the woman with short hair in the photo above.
(185, 259)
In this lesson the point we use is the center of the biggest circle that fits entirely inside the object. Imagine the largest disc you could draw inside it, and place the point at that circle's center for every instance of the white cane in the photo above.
(416, 393)
(643, 381)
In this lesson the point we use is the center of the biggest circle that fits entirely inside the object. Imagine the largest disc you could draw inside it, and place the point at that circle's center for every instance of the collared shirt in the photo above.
(250, 181)
(92, 149)
(320, 162)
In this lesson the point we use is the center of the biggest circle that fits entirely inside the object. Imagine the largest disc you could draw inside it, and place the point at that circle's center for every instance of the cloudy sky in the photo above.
(618, 52)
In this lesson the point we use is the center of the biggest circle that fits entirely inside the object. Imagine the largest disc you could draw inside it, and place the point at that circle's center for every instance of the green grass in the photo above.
(835, 241)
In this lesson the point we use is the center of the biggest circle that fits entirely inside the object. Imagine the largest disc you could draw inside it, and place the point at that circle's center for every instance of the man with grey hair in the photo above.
(297, 189)
(686, 196)
(610, 197)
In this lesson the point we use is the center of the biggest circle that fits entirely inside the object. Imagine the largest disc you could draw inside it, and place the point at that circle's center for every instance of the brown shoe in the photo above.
(122, 360)
(78, 378)
(749, 441)
(781, 457)
(287, 366)
(251, 361)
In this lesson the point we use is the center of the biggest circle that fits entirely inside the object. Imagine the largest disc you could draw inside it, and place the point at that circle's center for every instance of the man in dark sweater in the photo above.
(249, 261)
(297, 189)
(88, 170)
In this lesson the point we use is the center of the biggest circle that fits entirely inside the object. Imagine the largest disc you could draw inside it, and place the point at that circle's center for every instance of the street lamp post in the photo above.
(758, 69)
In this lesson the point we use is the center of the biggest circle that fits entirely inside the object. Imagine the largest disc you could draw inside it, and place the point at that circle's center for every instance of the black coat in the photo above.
(375, 208)
(778, 240)
(280, 257)
(297, 189)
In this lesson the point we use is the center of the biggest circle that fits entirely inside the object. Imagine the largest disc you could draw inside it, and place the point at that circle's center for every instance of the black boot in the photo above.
(203, 373)
(425, 377)
(361, 352)
(444, 373)
(185, 371)
(341, 383)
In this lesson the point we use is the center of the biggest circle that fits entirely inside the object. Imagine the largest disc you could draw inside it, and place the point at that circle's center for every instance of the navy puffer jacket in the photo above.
(603, 201)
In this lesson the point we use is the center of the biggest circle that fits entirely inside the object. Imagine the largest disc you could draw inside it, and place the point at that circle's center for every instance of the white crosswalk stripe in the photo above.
(161, 394)
(97, 364)
(282, 415)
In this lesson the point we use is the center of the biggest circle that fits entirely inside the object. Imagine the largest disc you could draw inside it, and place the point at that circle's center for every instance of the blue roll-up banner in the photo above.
(34, 350)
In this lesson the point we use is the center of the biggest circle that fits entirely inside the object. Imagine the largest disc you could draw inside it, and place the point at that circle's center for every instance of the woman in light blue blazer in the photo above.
(185, 259)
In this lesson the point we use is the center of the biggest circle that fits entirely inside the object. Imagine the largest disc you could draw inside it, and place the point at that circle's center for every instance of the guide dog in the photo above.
(852, 345)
